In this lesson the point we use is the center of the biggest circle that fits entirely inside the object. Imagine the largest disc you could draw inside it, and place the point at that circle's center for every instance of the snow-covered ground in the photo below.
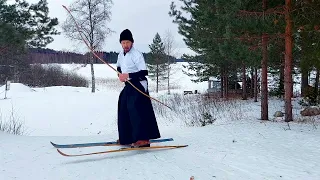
(236, 146)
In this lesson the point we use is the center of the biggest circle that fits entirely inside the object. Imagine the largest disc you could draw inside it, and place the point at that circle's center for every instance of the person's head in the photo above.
(126, 40)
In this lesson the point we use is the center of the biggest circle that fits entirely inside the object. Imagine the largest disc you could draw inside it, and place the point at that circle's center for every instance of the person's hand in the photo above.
(123, 77)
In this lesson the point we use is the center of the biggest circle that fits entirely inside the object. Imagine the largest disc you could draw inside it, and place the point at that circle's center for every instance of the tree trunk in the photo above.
(157, 78)
(225, 85)
(264, 79)
(93, 79)
(288, 63)
(316, 84)
(281, 78)
(222, 83)
(304, 69)
(168, 77)
(304, 80)
(264, 76)
(244, 82)
(251, 83)
(255, 91)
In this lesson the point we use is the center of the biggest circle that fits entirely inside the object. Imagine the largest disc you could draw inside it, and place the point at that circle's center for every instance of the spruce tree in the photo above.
(156, 61)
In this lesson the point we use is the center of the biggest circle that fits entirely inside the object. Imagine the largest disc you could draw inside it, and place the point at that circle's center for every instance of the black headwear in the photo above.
(126, 35)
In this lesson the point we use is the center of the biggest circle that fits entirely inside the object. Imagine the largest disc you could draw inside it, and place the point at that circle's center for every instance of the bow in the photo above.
(106, 62)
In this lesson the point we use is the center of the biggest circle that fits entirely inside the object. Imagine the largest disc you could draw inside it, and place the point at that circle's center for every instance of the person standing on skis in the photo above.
(136, 119)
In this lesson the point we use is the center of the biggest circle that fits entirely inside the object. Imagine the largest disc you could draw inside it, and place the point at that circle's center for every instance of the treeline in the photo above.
(47, 56)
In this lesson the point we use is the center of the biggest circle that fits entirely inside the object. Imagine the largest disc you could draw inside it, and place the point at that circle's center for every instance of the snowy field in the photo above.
(236, 146)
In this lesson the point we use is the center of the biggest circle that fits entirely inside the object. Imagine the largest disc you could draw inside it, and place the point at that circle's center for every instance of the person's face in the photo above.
(126, 45)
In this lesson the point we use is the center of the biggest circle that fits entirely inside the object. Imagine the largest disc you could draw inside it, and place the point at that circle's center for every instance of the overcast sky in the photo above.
(143, 17)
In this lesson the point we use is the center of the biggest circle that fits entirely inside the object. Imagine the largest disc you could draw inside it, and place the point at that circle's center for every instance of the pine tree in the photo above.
(23, 25)
(211, 30)
(157, 60)
(30, 19)
(306, 30)
(262, 19)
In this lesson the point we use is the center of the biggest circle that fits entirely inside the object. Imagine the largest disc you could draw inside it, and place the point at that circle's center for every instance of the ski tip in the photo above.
(53, 144)
(181, 146)
(63, 154)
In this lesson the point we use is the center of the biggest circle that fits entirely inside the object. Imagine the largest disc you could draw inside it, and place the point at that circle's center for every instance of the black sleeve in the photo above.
(119, 69)
(138, 75)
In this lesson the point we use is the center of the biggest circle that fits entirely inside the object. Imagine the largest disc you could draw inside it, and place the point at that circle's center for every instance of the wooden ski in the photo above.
(123, 150)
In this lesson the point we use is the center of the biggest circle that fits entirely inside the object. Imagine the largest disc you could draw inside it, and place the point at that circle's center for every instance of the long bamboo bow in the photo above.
(106, 62)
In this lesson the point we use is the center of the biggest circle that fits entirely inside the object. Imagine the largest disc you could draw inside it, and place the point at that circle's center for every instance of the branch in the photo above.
(248, 37)
(271, 11)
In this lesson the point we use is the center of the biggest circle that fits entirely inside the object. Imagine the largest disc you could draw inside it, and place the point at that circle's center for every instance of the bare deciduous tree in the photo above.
(92, 17)
(170, 50)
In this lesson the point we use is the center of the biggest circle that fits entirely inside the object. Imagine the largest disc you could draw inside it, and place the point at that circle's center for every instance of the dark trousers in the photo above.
(136, 118)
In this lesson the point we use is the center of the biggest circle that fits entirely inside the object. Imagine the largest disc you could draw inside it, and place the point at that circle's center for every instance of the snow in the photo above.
(17, 88)
(236, 146)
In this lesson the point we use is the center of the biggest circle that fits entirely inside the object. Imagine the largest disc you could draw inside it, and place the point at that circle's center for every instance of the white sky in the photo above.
(143, 17)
